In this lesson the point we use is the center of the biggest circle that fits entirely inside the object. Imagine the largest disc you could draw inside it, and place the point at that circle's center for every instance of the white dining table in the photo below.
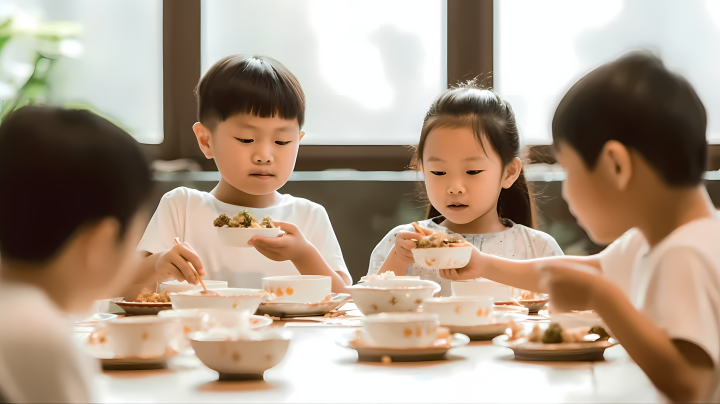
(317, 369)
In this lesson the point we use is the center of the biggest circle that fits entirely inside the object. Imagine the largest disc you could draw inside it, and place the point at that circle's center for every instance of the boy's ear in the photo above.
(98, 240)
(616, 163)
(202, 134)
(302, 134)
(511, 173)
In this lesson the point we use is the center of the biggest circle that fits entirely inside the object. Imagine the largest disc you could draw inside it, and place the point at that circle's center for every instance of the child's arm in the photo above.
(400, 255)
(294, 247)
(519, 274)
(680, 369)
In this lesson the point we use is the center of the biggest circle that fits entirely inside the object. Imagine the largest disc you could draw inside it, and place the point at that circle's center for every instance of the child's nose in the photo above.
(456, 189)
(262, 157)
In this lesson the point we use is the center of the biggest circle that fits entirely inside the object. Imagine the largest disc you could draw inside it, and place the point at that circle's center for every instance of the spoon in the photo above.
(205, 291)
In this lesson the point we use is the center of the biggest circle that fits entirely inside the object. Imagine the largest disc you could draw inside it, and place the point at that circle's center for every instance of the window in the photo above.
(543, 47)
(369, 69)
(115, 66)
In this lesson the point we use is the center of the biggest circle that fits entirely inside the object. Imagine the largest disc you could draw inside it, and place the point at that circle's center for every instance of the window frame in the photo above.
(469, 26)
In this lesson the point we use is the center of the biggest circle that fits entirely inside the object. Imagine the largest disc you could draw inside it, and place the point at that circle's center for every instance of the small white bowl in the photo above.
(177, 287)
(240, 358)
(195, 320)
(401, 330)
(239, 236)
(442, 258)
(230, 298)
(461, 310)
(143, 336)
(484, 288)
(392, 295)
(299, 288)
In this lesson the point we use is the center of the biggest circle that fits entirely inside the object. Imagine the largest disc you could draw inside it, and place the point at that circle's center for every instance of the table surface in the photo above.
(317, 369)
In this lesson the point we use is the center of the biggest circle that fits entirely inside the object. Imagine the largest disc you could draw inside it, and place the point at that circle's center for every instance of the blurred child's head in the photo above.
(251, 110)
(623, 126)
(469, 154)
(72, 185)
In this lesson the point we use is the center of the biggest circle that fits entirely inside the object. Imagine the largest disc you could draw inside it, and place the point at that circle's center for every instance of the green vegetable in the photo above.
(244, 218)
(553, 334)
(604, 336)
(222, 220)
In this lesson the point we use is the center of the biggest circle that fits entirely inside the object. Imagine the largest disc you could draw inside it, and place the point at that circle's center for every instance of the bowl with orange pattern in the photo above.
(401, 330)
(460, 310)
(392, 295)
(225, 298)
(298, 288)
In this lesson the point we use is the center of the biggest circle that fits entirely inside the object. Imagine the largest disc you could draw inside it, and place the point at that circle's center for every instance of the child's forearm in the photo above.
(650, 347)
(312, 263)
(523, 274)
(393, 263)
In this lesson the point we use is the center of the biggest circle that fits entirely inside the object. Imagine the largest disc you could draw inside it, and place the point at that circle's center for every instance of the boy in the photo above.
(73, 185)
(250, 110)
(631, 136)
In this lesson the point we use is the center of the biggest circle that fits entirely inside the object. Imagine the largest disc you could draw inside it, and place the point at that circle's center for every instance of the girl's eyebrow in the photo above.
(435, 159)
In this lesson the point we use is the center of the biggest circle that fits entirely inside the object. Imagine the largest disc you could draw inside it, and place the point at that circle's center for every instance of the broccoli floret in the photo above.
(222, 220)
(244, 218)
(553, 335)
(267, 223)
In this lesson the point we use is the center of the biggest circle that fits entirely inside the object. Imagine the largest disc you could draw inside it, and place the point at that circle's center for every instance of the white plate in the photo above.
(565, 352)
(92, 320)
(304, 309)
(105, 355)
(369, 353)
(511, 309)
(140, 308)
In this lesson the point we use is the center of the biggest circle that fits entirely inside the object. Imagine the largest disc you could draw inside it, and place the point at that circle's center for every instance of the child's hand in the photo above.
(173, 264)
(289, 245)
(474, 268)
(403, 244)
(571, 286)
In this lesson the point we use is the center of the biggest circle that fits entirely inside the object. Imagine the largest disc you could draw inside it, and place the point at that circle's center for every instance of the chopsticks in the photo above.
(177, 242)
(420, 229)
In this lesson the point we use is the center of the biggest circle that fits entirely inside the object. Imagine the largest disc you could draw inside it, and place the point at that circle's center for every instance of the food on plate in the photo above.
(556, 334)
(243, 220)
(146, 296)
(553, 334)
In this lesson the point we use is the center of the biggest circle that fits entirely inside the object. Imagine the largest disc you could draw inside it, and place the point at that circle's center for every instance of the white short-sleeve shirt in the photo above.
(188, 213)
(676, 284)
(517, 242)
(39, 360)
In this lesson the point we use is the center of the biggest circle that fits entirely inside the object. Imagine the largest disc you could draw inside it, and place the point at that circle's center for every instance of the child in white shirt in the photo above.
(631, 136)
(58, 257)
(468, 152)
(250, 110)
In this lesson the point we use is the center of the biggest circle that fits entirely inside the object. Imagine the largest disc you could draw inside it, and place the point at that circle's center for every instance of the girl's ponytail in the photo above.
(517, 203)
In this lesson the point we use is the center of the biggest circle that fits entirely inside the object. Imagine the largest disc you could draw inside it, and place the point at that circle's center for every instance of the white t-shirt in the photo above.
(188, 213)
(39, 361)
(517, 242)
(676, 284)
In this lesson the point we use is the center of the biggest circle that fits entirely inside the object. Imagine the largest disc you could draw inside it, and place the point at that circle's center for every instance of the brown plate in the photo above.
(304, 309)
(137, 308)
(564, 352)
(533, 306)
(370, 353)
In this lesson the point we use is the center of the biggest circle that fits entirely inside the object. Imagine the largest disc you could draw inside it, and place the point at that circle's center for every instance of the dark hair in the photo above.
(256, 85)
(492, 118)
(636, 101)
(59, 170)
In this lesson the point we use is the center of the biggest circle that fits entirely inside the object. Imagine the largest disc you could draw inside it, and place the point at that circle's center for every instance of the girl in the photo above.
(468, 154)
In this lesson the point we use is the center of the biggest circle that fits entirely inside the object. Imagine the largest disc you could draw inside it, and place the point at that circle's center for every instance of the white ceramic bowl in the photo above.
(298, 288)
(239, 236)
(442, 258)
(401, 330)
(177, 287)
(195, 320)
(240, 357)
(392, 295)
(230, 298)
(142, 336)
(461, 310)
(484, 288)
